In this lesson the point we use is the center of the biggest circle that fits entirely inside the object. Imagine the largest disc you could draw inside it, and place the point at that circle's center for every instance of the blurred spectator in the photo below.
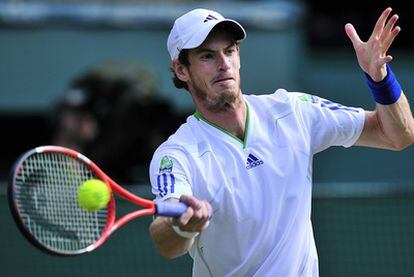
(113, 114)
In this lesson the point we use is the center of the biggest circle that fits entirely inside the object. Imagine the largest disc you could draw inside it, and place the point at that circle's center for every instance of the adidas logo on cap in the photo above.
(210, 17)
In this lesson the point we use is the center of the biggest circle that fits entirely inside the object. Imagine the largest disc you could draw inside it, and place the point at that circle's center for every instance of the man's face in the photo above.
(213, 76)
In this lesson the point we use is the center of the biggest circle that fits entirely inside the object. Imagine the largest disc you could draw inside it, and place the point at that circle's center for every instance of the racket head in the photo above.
(42, 196)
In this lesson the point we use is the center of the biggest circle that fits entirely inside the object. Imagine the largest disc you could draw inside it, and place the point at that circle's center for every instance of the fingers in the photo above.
(387, 43)
(382, 36)
(387, 59)
(390, 33)
(191, 201)
(197, 216)
(372, 54)
(353, 35)
(390, 25)
(384, 30)
(379, 26)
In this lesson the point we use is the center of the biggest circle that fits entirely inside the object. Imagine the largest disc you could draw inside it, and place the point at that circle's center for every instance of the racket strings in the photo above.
(46, 192)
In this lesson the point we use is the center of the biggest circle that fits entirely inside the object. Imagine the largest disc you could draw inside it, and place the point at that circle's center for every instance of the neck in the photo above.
(232, 119)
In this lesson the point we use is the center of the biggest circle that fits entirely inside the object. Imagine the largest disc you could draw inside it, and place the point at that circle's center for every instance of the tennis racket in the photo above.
(42, 196)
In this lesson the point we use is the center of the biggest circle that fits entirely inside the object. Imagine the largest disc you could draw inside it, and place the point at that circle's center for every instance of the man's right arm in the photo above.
(196, 219)
(168, 242)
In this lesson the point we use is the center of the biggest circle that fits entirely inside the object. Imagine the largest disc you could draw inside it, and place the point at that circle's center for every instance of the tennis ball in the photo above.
(93, 195)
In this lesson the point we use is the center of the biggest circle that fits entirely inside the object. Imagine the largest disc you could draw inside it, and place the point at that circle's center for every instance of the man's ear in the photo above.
(180, 70)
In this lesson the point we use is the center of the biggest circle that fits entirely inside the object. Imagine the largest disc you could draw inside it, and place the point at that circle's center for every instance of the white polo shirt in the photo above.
(260, 189)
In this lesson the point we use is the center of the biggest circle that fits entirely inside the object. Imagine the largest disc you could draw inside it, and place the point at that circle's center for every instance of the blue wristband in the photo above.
(387, 91)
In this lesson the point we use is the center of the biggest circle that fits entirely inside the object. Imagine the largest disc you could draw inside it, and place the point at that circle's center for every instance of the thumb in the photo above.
(352, 34)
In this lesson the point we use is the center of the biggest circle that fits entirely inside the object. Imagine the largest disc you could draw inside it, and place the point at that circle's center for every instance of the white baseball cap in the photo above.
(191, 29)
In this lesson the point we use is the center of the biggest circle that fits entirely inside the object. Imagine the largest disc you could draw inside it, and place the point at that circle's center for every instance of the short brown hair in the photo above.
(183, 59)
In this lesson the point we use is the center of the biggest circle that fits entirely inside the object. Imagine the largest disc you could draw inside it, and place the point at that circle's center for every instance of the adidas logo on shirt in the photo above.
(253, 161)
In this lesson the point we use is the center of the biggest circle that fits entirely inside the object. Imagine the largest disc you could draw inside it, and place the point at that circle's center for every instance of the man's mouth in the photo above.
(222, 80)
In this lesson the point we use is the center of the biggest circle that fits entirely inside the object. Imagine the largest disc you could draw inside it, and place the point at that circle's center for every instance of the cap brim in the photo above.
(231, 25)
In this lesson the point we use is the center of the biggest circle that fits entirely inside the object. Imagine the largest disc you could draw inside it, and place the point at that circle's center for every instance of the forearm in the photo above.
(168, 242)
(389, 126)
(396, 123)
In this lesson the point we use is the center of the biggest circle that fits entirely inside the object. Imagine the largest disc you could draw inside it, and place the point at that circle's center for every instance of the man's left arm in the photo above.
(391, 125)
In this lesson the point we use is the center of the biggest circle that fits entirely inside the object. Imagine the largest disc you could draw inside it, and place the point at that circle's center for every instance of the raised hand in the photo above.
(372, 54)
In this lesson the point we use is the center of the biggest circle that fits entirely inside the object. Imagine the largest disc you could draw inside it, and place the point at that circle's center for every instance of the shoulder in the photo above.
(297, 102)
(183, 143)
(279, 96)
(277, 104)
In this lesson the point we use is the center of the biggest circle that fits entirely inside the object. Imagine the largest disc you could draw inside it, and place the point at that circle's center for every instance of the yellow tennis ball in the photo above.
(93, 195)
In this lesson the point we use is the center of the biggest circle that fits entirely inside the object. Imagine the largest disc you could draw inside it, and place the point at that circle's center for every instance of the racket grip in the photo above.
(171, 209)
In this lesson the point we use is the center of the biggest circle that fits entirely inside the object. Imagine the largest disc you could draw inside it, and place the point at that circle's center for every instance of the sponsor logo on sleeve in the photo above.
(165, 178)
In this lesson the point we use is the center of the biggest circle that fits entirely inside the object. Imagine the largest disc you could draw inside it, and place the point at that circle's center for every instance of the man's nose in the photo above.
(223, 62)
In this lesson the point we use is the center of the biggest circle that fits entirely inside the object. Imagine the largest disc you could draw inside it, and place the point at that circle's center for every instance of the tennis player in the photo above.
(243, 163)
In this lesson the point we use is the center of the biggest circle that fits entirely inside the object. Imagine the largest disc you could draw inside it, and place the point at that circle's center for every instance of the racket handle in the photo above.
(171, 209)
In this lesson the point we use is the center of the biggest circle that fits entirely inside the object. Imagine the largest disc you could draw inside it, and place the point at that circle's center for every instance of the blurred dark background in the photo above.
(326, 20)
(81, 59)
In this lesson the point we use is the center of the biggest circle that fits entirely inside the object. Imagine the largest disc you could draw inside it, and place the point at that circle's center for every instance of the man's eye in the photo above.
(231, 50)
(206, 56)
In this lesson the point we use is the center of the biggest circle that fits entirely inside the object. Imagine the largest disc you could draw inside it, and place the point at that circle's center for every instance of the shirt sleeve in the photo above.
(328, 123)
(169, 173)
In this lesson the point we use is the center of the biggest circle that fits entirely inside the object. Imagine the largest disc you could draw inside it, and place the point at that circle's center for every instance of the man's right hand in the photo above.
(197, 217)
